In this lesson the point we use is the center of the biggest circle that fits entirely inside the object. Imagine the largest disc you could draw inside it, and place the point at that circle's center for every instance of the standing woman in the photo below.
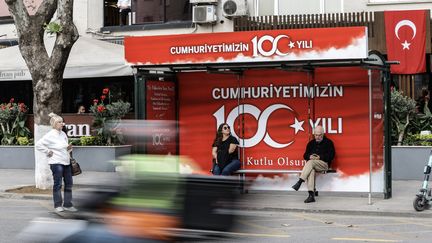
(55, 145)
(225, 152)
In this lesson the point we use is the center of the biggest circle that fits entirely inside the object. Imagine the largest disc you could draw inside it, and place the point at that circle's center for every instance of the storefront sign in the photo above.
(249, 46)
(15, 75)
(273, 112)
(77, 130)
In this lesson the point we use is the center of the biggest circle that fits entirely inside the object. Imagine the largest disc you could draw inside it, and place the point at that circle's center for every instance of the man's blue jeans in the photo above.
(228, 169)
(60, 172)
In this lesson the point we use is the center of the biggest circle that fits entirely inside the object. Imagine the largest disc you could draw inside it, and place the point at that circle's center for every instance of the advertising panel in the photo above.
(248, 46)
(160, 109)
(272, 113)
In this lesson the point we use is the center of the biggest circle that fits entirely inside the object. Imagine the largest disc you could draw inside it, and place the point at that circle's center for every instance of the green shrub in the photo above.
(23, 141)
(402, 113)
(87, 140)
(75, 141)
(418, 140)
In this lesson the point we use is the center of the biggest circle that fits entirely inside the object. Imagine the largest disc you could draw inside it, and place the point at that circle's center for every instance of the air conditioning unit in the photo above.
(233, 8)
(204, 14)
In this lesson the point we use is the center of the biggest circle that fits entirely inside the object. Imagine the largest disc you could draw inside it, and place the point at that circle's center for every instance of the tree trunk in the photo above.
(46, 70)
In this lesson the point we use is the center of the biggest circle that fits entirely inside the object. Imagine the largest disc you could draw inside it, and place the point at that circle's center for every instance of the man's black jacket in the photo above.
(325, 149)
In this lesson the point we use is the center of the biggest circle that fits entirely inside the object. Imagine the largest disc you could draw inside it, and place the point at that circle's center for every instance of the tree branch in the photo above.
(46, 11)
(19, 14)
(67, 37)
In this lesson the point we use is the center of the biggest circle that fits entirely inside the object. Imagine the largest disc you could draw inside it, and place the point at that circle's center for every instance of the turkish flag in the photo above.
(406, 40)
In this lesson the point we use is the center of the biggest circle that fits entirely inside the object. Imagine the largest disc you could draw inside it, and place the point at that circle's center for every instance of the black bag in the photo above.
(76, 169)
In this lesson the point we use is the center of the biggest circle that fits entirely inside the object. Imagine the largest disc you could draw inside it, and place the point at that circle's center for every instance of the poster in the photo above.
(161, 114)
(272, 113)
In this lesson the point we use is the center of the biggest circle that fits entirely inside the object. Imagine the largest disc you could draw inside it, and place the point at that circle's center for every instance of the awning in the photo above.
(89, 58)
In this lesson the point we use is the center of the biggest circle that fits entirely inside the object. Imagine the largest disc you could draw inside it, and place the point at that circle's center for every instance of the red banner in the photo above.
(268, 111)
(248, 46)
(406, 40)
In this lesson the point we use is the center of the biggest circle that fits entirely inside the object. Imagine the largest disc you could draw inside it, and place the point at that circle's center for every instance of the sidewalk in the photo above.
(327, 202)
(400, 205)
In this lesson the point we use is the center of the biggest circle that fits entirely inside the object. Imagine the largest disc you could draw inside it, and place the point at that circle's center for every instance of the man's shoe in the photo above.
(71, 209)
(59, 209)
(297, 185)
(310, 199)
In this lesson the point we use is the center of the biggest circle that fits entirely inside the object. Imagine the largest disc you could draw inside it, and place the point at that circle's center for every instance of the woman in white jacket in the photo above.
(55, 145)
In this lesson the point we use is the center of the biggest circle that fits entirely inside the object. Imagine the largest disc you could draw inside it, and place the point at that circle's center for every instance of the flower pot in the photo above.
(408, 162)
(17, 157)
(90, 158)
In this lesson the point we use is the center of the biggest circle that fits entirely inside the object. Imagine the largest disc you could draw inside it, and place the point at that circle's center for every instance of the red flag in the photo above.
(406, 40)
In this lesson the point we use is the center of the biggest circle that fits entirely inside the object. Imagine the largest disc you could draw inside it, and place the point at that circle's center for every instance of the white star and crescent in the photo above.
(297, 126)
(405, 45)
(291, 45)
(405, 22)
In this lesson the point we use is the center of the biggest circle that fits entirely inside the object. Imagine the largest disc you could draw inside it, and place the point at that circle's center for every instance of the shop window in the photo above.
(148, 11)
(21, 91)
(78, 92)
(411, 84)
(111, 13)
(161, 11)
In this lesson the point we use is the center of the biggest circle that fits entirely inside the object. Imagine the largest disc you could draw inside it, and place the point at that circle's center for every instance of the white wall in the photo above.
(7, 31)
(364, 5)
(94, 15)
(288, 7)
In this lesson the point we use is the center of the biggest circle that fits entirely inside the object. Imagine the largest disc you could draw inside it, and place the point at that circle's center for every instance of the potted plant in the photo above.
(107, 143)
(14, 136)
(412, 151)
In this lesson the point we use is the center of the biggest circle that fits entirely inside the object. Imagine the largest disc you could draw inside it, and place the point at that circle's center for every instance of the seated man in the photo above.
(319, 154)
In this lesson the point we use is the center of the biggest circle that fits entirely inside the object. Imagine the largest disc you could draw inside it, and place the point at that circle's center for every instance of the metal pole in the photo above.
(387, 136)
(370, 137)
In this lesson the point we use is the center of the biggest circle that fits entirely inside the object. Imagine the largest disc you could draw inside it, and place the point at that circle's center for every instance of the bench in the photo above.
(242, 172)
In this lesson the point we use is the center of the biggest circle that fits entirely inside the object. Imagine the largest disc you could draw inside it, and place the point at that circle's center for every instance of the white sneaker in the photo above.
(71, 209)
(59, 209)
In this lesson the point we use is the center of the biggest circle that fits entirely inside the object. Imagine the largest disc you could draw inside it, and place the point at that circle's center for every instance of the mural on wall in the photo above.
(272, 112)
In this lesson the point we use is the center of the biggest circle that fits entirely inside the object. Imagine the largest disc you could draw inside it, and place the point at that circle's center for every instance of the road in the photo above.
(307, 227)
(261, 226)
(15, 214)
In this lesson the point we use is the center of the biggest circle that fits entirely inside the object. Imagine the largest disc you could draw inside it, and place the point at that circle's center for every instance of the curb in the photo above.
(10, 195)
(412, 214)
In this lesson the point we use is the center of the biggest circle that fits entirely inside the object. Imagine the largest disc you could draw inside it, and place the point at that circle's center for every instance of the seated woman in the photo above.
(224, 152)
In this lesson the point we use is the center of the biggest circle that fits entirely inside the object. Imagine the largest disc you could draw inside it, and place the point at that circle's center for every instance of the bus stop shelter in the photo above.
(272, 87)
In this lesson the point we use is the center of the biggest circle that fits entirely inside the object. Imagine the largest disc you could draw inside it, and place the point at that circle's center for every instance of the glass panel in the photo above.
(148, 11)
(111, 13)
(177, 10)
(21, 91)
(78, 92)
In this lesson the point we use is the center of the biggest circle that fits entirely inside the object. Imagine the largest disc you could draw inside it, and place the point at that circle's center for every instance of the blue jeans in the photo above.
(60, 172)
(228, 169)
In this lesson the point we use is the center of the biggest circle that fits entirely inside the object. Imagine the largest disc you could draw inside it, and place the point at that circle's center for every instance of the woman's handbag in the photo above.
(76, 169)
